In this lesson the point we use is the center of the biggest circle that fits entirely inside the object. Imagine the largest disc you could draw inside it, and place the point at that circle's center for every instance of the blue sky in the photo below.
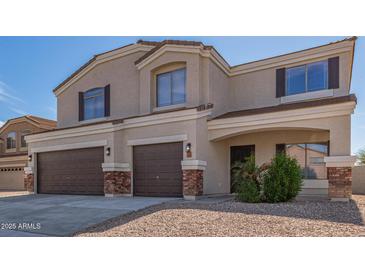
(30, 67)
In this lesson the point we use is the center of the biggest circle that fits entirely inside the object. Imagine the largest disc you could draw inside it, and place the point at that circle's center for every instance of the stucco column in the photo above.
(339, 172)
(29, 179)
(117, 179)
(193, 178)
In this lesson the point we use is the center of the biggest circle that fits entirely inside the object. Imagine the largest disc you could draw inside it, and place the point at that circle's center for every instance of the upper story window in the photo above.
(171, 88)
(11, 140)
(306, 78)
(94, 104)
(23, 143)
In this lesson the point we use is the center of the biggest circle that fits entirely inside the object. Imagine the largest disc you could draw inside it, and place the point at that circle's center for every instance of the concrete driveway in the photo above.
(62, 215)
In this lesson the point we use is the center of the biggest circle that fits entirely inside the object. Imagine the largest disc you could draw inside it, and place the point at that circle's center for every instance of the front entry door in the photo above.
(240, 154)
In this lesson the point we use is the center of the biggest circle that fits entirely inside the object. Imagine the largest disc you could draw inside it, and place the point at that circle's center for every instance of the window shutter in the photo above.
(280, 82)
(81, 106)
(280, 148)
(333, 72)
(107, 101)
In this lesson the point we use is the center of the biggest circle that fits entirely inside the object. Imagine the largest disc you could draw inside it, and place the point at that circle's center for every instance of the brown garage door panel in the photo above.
(71, 172)
(157, 170)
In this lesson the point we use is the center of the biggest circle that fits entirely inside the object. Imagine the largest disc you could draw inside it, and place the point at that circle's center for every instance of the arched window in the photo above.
(94, 103)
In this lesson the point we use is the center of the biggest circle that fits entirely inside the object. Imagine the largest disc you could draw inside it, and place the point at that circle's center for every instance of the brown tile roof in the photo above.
(159, 45)
(85, 65)
(353, 38)
(291, 106)
(41, 122)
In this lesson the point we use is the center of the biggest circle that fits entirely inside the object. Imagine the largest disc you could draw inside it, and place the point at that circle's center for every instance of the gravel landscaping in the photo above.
(231, 218)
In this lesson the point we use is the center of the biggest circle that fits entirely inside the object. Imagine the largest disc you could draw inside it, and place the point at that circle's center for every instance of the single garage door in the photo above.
(71, 172)
(157, 170)
(11, 178)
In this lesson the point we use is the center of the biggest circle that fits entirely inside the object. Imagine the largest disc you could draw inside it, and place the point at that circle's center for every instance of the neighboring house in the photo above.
(14, 150)
(169, 118)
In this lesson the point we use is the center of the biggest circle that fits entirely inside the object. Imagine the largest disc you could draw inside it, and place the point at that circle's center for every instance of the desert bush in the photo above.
(246, 182)
(282, 180)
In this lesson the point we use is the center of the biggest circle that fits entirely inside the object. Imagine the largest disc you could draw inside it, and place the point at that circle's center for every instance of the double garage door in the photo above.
(156, 171)
(71, 172)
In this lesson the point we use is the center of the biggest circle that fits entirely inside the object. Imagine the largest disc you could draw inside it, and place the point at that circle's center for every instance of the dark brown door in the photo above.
(71, 172)
(157, 170)
(240, 154)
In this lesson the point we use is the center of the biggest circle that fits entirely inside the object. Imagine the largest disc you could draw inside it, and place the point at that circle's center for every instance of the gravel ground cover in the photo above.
(231, 218)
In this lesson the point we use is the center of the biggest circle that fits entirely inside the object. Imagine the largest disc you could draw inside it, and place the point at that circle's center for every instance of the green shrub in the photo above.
(282, 180)
(246, 180)
(248, 192)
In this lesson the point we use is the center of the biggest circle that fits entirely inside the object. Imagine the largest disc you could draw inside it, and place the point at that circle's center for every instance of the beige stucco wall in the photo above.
(339, 129)
(74, 141)
(258, 88)
(133, 93)
(358, 179)
(193, 79)
(218, 155)
(219, 90)
(123, 77)
(265, 142)
(18, 128)
(133, 90)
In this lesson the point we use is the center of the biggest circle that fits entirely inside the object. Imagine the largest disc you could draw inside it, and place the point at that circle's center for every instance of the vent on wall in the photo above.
(11, 169)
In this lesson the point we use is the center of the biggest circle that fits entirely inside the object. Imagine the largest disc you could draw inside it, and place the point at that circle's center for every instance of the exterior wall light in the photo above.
(188, 150)
(30, 157)
(107, 152)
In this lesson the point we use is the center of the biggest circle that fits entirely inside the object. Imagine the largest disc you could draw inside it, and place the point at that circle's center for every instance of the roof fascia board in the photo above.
(109, 127)
(102, 58)
(284, 60)
(346, 46)
(212, 54)
(284, 116)
(18, 120)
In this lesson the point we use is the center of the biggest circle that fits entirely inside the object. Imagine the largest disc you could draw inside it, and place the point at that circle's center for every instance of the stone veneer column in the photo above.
(339, 173)
(29, 179)
(117, 179)
(193, 178)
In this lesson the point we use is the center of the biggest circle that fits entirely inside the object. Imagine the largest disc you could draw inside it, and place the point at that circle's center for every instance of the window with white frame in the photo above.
(307, 78)
(11, 140)
(171, 88)
(94, 104)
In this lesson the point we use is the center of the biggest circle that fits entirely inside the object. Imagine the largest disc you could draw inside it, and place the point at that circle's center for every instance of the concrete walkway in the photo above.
(63, 215)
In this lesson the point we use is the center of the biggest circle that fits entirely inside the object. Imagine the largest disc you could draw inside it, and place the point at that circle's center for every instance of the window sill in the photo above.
(10, 150)
(94, 120)
(315, 183)
(157, 109)
(307, 96)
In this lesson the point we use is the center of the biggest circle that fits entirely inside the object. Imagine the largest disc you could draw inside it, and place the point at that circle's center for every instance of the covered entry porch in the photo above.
(309, 147)
(318, 137)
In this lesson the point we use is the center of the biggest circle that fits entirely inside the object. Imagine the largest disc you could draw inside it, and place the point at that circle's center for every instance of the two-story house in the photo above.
(169, 118)
(14, 150)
